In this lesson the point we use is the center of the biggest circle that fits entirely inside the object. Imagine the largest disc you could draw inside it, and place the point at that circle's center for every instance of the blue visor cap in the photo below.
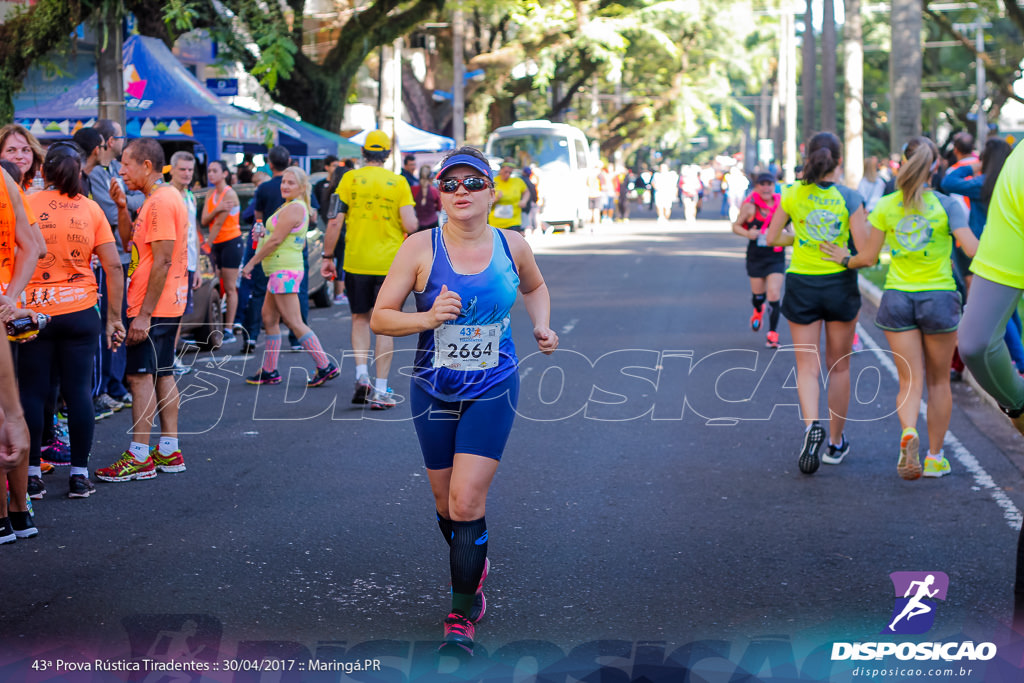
(466, 160)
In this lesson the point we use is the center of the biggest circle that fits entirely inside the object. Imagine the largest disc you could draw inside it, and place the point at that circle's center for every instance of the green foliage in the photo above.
(180, 16)
(663, 70)
(277, 56)
(27, 34)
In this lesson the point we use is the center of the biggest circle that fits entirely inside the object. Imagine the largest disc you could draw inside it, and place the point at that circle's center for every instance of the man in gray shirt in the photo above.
(111, 365)
(109, 168)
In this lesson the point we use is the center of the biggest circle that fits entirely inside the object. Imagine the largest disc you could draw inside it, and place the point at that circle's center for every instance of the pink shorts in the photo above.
(284, 282)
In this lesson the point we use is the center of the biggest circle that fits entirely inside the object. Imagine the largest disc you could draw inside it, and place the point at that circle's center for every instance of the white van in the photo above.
(561, 157)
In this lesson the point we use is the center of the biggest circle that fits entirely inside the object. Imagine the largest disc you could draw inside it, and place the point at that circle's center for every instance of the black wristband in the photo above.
(846, 261)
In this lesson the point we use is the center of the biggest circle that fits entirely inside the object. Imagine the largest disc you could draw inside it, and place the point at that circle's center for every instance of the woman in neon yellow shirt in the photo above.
(280, 252)
(510, 197)
(819, 291)
(920, 310)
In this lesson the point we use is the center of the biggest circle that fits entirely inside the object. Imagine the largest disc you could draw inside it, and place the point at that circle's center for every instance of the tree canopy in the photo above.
(680, 76)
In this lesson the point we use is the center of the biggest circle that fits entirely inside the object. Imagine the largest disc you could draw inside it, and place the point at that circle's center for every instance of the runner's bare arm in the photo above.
(746, 213)
(14, 436)
(331, 237)
(968, 242)
(30, 246)
(411, 264)
(289, 218)
(867, 250)
(774, 235)
(409, 221)
(111, 264)
(535, 293)
(124, 218)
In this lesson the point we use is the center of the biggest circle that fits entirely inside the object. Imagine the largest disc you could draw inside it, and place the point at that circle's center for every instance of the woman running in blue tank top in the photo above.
(465, 276)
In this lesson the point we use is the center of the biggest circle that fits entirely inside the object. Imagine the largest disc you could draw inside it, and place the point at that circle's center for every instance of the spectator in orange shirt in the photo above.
(220, 216)
(65, 288)
(157, 292)
(15, 230)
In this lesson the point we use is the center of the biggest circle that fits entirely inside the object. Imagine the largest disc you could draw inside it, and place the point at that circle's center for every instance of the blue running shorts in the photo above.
(478, 426)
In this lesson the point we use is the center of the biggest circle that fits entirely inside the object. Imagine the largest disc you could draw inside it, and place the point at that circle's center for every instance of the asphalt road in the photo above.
(648, 521)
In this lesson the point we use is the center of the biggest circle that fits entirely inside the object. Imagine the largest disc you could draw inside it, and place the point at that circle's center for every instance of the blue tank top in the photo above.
(482, 330)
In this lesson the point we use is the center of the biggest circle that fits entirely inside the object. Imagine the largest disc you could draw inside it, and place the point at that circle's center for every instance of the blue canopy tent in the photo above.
(303, 139)
(163, 100)
(412, 139)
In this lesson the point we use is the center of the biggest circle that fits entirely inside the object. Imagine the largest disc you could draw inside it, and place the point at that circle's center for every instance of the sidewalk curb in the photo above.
(872, 292)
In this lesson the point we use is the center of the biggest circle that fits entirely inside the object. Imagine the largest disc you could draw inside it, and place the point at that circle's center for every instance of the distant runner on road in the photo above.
(766, 265)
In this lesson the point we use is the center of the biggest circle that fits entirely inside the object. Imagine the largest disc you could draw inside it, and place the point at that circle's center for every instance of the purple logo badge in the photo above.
(916, 594)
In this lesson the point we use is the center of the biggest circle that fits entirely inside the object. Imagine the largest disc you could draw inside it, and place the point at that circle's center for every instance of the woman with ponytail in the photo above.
(64, 288)
(819, 291)
(920, 309)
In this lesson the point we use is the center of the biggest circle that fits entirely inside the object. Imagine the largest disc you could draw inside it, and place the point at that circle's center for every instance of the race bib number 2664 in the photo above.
(466, 347)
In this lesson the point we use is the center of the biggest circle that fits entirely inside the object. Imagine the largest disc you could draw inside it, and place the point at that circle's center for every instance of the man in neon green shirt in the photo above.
(377, 208)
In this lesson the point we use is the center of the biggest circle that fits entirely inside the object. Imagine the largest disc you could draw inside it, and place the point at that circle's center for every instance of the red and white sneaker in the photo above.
(772, 340)
(167, 463)
(127, 468)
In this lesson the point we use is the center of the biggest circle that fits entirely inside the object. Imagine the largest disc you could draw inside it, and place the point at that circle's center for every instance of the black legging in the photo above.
(63, 350)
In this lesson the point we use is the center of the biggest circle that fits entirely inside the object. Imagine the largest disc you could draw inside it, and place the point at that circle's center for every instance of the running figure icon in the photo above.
(915, 606)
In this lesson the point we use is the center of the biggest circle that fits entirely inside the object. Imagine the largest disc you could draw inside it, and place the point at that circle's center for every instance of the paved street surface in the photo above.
(648, 519)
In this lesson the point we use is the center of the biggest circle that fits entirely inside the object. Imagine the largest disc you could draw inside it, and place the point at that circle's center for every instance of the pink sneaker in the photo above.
(480, 602)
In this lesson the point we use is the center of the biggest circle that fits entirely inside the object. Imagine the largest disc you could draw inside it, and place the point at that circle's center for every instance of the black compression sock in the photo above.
(467, 556)
(773, 315)
(758, 301)
(445, 525)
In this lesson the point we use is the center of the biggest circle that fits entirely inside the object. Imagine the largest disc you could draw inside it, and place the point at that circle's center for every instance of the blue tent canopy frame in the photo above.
(303, 139)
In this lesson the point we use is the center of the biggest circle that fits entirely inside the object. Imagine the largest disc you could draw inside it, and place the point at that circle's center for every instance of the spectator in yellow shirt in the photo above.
(510, 198)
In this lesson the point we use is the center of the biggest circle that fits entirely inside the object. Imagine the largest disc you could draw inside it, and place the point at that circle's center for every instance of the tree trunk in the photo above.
(808, 75)
(905, 73)
(828, 66)
(416, 99)
(110, 65)
(853, 118)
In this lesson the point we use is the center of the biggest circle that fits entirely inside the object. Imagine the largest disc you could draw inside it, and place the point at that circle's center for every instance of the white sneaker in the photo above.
(381, 400)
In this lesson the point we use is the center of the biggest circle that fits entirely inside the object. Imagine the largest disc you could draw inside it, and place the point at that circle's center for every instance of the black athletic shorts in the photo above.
(764, 263)
(228, 254)
(155, 355)
(362, 291)
(810, 298)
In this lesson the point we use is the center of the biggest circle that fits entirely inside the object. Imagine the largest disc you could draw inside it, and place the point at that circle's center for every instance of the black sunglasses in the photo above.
(472, 184)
